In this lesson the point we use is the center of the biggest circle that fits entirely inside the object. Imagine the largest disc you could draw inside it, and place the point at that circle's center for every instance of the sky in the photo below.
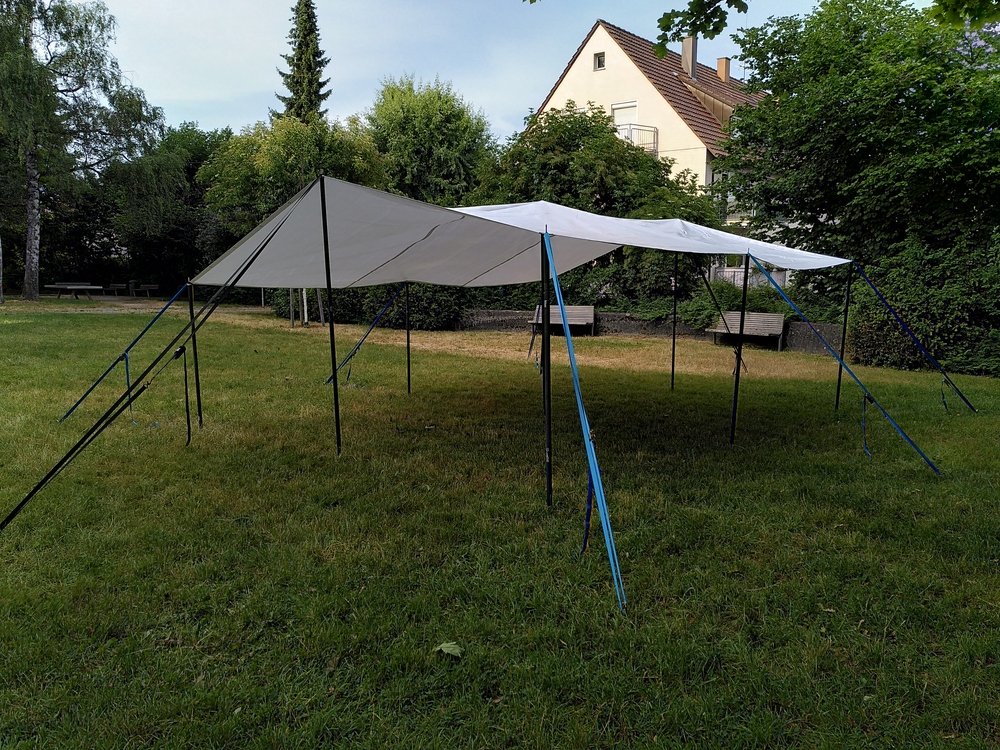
(215, 62)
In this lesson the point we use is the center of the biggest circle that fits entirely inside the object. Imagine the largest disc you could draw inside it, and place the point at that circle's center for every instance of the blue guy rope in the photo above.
(847, 369)
(124, 355)
(588, 437)
(913, 337)
(357, 346)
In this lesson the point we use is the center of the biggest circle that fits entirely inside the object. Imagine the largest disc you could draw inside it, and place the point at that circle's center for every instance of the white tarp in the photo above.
(379, 238)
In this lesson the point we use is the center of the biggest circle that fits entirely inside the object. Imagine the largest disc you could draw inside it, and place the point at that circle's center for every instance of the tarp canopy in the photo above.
(380, 238)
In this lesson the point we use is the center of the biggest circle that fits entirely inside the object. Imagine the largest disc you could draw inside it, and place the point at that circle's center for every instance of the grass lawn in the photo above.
(255, 590)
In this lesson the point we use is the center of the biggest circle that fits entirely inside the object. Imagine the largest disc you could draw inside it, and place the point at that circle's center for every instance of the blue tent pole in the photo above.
(588, 434)
(847, 369)
(739, 350)
(128, 348)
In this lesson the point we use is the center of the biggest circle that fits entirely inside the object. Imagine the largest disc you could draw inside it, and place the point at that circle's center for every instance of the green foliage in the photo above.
(256, 172)
(434, 141)
(701, 312)
(879, 135)
(954, 311)
(160, 219)
(65, 105)
(306, 64)
(575, 159)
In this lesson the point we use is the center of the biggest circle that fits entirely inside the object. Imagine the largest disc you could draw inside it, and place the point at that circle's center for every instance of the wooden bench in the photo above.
(576, 315)
(755, 324)
(74, 288)
(116, 288)
(135, 288)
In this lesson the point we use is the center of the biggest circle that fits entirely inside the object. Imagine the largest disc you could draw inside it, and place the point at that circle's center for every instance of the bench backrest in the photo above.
(575, 314)
(755, 324)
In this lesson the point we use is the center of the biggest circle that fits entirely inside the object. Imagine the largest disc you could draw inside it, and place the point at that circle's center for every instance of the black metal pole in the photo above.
(547, 370)
(673, 335)
(843, 334)
(329, 303)
(739, 350)
(407, 316)
(194, 352)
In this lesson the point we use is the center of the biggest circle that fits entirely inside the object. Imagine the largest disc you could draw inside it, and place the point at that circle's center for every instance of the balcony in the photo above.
(643, 136)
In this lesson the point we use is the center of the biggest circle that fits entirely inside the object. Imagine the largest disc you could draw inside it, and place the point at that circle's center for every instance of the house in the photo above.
(674, 107)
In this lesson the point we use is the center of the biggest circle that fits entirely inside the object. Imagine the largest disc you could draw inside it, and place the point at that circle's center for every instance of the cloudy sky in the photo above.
(214, 61)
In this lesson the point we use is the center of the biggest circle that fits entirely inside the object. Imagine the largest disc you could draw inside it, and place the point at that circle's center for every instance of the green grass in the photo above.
(255, 590)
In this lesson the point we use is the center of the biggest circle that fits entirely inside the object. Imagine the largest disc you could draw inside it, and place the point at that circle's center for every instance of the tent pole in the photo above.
(843, 336)
(739, 349)
(291, 308)
(547, 371)
(319, 304)
(329, 302)
(194, 352)
(406, 314)
(673, 335)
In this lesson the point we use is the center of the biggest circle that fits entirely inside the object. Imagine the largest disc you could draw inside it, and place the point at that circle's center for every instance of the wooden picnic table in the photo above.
(75, 287)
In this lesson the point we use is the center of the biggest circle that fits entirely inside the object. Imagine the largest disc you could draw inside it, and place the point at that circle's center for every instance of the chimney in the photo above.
(689, 55)
(723, 63)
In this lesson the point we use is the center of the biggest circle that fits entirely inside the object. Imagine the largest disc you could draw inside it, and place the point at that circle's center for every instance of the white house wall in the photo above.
(621, 81)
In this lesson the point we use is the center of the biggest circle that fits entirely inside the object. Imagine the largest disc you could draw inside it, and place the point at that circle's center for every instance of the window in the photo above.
(598, 61)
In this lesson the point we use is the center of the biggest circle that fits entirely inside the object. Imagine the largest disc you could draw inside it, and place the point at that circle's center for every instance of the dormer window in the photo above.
(598, 61)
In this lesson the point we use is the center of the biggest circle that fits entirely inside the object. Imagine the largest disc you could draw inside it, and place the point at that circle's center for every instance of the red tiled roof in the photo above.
(674, 85)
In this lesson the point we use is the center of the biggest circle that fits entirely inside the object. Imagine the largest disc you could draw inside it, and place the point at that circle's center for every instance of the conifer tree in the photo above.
(306, 64)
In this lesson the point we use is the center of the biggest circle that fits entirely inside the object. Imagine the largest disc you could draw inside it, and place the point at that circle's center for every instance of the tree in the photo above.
(255, 172)
(708, 18)
(306, 64)
(878, 141)
(575, 158)
(159, 210)
(435, 142)
(66, 106)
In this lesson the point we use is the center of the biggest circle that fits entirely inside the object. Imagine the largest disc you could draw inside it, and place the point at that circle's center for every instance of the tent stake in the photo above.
(329, 302)
(843, 336)
(673, 335)
(194, 353)
(546, 372)
(739, 349)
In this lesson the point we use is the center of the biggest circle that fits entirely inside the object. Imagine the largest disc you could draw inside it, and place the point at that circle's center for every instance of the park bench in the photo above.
(576, 315)
(116, 288)
(74, 288)
(755, 324)
(135, 287)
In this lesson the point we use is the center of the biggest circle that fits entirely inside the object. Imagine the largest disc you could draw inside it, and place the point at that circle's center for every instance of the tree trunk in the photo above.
(31, 252)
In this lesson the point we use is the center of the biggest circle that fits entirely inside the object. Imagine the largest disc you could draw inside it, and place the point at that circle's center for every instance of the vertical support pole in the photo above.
(843, 335)
(319, 304)
(291, 307)
(547, 369)
(329, 302)
(194, 352)
(739, 349)
(673, 334)
(406, 315)
(304, 301)
(262, 297)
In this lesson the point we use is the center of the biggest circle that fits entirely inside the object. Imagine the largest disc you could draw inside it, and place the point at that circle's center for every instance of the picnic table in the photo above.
(75, 287)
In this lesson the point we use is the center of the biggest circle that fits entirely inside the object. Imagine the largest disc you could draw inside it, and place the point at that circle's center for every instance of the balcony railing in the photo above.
(643, 136)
